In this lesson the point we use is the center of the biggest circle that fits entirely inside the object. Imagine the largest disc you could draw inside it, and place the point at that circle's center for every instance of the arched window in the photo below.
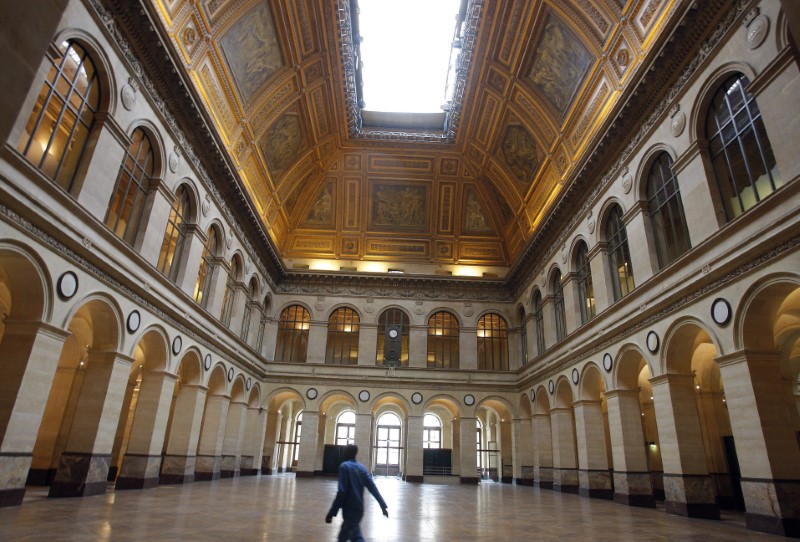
(250, 294)
(343, 331)
(443, 341)
(262, 325)
(293, 334)
(584, 280)
(492, 343)
(538, 318)
(175, 235)
(559, 315)
(230, 293)
(392, 349)
(431, 432)
(523, 336)
(740, 150)
(59, 126)
(664, 205)
(133, 185)
(387, 444)
(346, 428)
(619, 257)
(202, 288)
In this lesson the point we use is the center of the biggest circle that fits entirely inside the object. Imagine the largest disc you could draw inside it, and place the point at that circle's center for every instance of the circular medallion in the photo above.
(757, 31)
(392, 333)
(721, 311)
(67, 285)
(177, 344)
(249, 383)
(128, 94)
(230, 374)
(206, 205)
(533, 395)
(363, 396)
(678, 123)
(416, 397)
(551, 387)
(575, 376)
(590, 223)
(608, 362)
(173, 161)
(207, 362)
(652, 342)
(627, 182)
(134, 321)
(311, 393)
(469, 400)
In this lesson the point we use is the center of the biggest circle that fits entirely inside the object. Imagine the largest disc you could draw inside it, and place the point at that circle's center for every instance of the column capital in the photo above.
(669, 378)
(586, 402)
(747, 356)
(621, 392)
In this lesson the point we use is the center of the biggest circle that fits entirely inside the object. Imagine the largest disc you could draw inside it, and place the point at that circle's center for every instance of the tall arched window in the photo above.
(523, 336)
(392, 349)
(202, 288)
(346, 428)
(740, 150)
(388, 444)
(56, 133)
(230, 293)
(443, 341)
(175, 235)
(492, 343)
(431, 432)
(538, 318)
(293, 334)
(250, 294)
(343, 331)
(133, 185)
(619, 257)
(559, 315)
(584, 280)
(670, 234)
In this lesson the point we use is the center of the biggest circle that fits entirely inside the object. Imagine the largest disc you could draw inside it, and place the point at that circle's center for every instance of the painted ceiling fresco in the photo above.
(542, 79)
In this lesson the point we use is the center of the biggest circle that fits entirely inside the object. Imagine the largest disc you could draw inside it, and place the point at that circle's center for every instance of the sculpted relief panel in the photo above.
(474, 219)
(252, 51)
(323, 211)
(399, 206)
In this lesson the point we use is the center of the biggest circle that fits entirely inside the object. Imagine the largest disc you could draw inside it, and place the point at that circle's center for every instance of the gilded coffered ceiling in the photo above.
(539, 86)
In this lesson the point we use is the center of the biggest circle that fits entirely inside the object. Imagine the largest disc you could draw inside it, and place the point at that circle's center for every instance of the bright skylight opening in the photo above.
(406, 53)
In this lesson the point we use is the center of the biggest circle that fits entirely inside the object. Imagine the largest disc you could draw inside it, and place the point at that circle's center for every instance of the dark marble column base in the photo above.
(702, 510)
(81, 475)
(773, 506)
(228, 473)
(543, 484)
(40, 477)
(596, 493)
(523, 481)
(266, 471)
(641, 501)
(471, 480)
(124, 482)
(11, 497)
(415, 478)
(139, 471)
(175, 479)
(789, 527)
(248, 472)
(304, 474)
(206, 476)
(690, 495)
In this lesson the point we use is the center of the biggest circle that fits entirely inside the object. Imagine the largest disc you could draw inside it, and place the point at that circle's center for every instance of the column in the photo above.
(704, 213)
(317, 341)
(593, 474)
(219, 280)
(688, 488)
(155, 217)
(565, 467)
(414, 450)
(468, 350)
(269, 455)
(640, 243)
(237, 311)
(180, 460)
(83, 467)
(142, 461)
(632, 483)
(542, 451)
(601, 277)
(255, 429)
(522, 444)
(715, 426)
(102, 170)
(766, 444)
(271, 339)
(572, 308)
(209, 447)
(418, 347)
(195, 243)
(367, 344)
(364, 439)
(232, 442)
(506, 452)
(468, 452)
(309, 437)
(30, 355)
(548, 319)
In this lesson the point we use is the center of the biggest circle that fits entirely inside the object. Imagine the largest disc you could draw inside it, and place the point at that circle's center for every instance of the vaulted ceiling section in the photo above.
(541, 82)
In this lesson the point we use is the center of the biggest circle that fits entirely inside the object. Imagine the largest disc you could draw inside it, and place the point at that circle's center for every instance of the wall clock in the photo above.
(469, 399)
(311, 393)
(363, 396)
(416, 398)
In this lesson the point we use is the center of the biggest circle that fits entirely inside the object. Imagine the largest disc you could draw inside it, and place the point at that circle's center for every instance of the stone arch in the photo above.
(699, 110)
(194, 198)
(25, 292)
(768, 313)
(153, 132)
(645, 163)
(682, 341)
(592, 385)
(104, 67)
(628, 364)
(602, 217)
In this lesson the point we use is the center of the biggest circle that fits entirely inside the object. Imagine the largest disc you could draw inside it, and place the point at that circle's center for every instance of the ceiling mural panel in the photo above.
(282, 143)
(475, 221)
(398, 205)
(252, 51)
(323, 212)
(520, 152)
(560, 64)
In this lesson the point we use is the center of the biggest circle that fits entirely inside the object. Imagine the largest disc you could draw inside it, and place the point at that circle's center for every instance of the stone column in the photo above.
(269, 455)
(219, 280)
(232, 443)
(469, 451)
(153, 225)
(704, 213)
(83, 467)
(468, 349)
(766, 442)
(715, 425)
(142, 461)
(209, 447)
(572, 305)
(418, 346)
(317, 341)
(30, 352)
(367, 344)
(180, 459)
(688, 488)
(193, 252)
(414, 453)
(364, 439)
(565, 466)
(506, 452)
(237, 310)
(522, 444)
(542, 451)
(255, 429)
(102, 170)
(643, 257)
(593, 474)
(548, 319)
(601, 277)
(309, 437)
(271, 340)
(632, 483)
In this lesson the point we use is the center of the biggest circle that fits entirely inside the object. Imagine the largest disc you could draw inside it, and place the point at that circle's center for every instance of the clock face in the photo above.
(392, 333)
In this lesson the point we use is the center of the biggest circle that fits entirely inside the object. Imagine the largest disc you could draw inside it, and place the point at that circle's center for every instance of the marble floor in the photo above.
(285, 508)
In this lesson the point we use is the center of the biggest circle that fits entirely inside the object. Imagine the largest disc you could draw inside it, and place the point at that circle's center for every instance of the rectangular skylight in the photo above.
(406, 53)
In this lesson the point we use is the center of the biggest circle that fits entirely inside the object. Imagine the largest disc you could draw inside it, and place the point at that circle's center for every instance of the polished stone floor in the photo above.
(285, 508)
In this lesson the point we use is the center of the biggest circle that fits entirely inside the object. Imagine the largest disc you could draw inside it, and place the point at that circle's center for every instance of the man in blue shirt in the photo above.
(353, 477)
